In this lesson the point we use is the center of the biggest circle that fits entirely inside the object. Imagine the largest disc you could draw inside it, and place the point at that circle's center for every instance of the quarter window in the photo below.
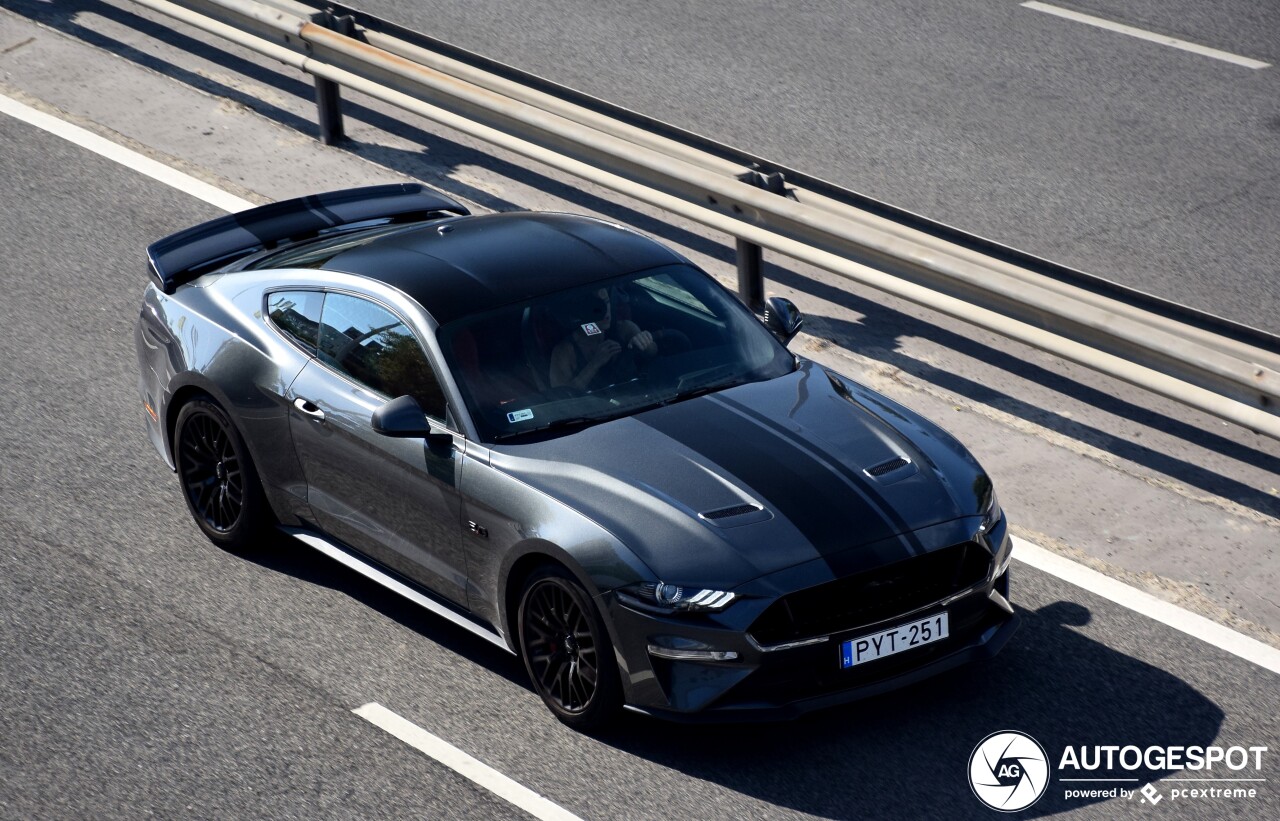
(372, 346)
(297, 315)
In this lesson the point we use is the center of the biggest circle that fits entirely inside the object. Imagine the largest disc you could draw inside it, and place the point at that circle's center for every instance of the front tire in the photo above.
(219, 480)
(567, 651)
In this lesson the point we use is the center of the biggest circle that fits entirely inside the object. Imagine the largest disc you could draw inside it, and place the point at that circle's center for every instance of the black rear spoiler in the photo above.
(187, 254)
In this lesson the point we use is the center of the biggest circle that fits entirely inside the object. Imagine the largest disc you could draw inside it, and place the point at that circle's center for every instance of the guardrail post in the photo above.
(751, 275)
(328, 97)
(750, 255)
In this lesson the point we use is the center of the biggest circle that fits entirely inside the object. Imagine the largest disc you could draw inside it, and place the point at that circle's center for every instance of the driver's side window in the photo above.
(372, 346)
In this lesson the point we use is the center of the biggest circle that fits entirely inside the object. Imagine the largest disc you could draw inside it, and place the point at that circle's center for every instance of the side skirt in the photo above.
(373, 573)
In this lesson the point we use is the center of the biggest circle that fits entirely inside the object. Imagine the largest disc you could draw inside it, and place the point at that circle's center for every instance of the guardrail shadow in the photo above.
(906, 754)
(439, 157)
(875, 336)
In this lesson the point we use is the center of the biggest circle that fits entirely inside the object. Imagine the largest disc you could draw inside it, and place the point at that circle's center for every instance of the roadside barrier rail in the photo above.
(1220, 367)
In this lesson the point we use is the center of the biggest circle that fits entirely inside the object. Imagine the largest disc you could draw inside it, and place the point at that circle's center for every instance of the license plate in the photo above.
(894, 640)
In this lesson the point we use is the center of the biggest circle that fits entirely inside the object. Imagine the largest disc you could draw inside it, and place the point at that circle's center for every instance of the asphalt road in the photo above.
(1151, 166)
(145, 672)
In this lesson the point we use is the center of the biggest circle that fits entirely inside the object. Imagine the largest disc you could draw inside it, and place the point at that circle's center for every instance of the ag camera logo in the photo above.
(1008, 771)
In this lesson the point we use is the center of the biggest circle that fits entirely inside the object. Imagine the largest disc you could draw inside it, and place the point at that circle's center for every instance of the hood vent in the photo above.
(896, 463)
(726, 512)
(735, 515)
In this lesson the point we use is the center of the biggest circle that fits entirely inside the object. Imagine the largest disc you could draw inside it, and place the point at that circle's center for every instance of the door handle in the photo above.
(307, 408)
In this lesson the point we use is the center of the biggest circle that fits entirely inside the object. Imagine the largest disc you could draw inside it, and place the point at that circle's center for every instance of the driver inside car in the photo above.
(599, 351)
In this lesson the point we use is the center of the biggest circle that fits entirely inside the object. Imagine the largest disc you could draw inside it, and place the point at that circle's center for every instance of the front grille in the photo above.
(872, 595)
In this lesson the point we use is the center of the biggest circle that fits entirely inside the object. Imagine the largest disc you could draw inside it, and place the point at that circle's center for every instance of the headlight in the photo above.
(991, 516)
(673, 598)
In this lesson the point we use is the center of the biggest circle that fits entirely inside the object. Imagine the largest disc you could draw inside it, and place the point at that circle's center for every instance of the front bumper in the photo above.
(780, 682)
(737, 705)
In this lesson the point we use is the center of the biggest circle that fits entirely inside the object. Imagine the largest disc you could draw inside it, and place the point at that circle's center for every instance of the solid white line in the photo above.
(1208, 631)
(458, 761)
(126, 157)
(1142, 34)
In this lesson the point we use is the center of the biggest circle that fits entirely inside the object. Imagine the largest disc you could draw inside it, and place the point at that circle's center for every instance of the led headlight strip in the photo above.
(675, 598)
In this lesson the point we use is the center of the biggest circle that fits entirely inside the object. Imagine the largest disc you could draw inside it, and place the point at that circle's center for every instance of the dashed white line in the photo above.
(1030, 554)
(1142, 34)
(1210, 632)
(463, 764)
(127, 157)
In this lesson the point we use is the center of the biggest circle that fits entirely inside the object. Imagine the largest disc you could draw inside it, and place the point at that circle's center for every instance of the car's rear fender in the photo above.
(189, 345)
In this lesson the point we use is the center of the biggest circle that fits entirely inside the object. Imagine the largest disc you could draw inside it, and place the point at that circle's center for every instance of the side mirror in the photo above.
(402, 417)
(782, 318)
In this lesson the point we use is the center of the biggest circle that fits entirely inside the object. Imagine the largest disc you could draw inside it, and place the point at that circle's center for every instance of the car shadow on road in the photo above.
(876, 336)
(906, 754)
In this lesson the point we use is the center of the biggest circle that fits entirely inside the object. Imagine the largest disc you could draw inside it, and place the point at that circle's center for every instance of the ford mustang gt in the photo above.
(567, 439)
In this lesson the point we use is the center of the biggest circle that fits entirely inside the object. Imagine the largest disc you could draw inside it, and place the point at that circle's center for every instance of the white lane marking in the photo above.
(458, 761)
(1142, 34)
(1208, 631)
(126, 157)
(1077, 574)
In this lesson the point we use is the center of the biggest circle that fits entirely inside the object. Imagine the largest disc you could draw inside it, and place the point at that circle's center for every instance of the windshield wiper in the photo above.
(583, 421)
(556, 424)
(704, 390)
(690, 394)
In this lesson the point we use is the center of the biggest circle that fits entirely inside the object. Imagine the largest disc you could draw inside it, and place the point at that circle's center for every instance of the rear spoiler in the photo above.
(187, 254)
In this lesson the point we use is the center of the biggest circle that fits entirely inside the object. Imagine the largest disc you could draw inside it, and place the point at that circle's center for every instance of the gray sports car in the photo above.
(570, 441)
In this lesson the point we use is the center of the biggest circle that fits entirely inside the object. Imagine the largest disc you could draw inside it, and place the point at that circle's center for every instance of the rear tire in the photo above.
(218, 477)
(567, 651)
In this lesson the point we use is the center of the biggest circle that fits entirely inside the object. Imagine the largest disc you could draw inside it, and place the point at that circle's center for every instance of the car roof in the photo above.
(463, 266)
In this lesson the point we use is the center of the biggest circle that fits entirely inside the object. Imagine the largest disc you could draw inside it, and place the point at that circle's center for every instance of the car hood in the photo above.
(727, 487)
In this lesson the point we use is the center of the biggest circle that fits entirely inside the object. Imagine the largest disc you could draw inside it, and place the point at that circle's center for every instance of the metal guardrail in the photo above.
(1217, 366)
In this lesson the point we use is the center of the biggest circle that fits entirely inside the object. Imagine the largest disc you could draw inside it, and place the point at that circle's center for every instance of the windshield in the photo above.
(606, 350)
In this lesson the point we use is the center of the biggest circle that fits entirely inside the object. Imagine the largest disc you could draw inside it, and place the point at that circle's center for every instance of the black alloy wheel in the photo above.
(567, 651)
(218, 478)
(211, 472)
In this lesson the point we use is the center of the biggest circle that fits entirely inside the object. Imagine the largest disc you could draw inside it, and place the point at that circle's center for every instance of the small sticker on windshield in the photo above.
(520, 415)
(591, 329)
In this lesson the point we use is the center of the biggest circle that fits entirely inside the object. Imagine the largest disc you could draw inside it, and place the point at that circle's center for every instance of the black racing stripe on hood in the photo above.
(866, 487)
(796, 485)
